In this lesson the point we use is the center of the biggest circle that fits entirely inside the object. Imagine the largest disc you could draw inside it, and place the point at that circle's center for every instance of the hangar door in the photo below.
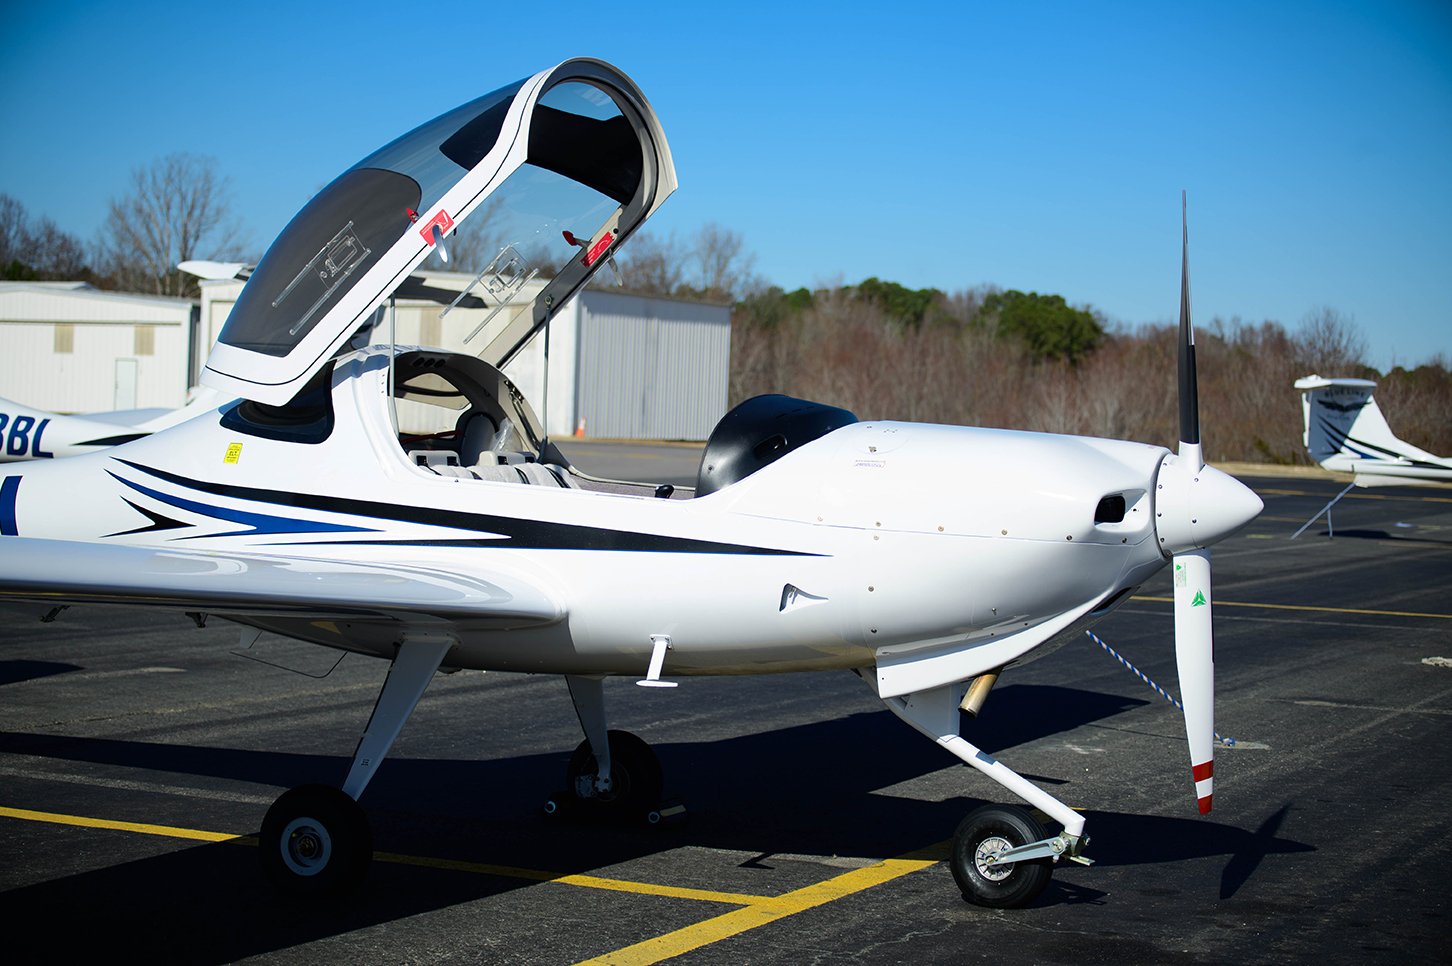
(651, 368)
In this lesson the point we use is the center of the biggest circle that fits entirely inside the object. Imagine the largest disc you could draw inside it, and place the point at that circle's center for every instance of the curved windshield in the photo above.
(335, 239)
(584, 161)
(338, 236)
(559, 210)
(437, 154)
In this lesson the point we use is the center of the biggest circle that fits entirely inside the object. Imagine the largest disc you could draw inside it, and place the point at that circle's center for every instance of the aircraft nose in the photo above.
(1196, 508)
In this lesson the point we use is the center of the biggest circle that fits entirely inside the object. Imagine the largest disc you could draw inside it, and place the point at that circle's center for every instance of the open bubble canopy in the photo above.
(560, 168)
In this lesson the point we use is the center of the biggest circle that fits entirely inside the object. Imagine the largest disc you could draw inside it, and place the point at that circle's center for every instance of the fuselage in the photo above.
(879, 540)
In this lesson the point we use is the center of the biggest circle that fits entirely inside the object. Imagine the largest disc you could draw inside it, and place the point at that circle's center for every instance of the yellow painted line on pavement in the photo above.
(481, 868)
(756, 910)
(583, 881)
(1307, 607)
(170, 831)
(763, 912)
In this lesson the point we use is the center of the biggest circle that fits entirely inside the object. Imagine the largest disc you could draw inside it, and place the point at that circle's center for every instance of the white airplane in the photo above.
(927, 559)
(1344, 431)
(29, 434)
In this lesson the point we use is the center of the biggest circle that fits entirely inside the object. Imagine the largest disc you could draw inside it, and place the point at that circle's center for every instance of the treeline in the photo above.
(177, 208)
(979, 356)
(1019, 360)
(1024, 360)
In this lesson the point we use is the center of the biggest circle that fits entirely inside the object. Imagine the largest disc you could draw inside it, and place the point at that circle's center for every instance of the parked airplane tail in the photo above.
(1344, 430)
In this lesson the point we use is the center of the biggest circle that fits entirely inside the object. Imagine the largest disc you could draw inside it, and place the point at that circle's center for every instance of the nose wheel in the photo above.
(982, 838)
(315, 840)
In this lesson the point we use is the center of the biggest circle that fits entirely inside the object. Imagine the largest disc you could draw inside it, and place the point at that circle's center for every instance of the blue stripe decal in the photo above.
(8, 490)
(257, 523)
(507, 532)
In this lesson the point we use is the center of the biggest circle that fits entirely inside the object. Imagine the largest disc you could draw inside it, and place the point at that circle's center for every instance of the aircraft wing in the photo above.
(69, 572)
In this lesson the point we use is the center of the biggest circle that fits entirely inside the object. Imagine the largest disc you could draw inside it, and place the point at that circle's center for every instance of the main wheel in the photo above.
(986, 832)
(635, 778)
(315, 841)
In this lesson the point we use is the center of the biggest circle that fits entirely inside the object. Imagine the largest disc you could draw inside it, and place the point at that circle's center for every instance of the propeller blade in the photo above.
(1189, 387)
(1195, 658)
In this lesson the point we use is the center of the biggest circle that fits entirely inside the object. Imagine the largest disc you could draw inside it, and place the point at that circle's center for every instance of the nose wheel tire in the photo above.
(635, 778)
(986, 833)
(315, 840)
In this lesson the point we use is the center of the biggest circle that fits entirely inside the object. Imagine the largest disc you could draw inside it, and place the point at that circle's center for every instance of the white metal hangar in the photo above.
(67, 347)
(619, 365)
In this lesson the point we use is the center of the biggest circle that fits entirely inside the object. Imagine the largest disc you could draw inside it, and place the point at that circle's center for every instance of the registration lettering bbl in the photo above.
(16, 438)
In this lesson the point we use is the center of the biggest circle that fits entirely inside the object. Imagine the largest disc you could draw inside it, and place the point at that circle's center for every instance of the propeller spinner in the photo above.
(1196, 506)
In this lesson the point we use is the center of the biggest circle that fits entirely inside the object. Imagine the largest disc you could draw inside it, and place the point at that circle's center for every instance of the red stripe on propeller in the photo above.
(1203, 770)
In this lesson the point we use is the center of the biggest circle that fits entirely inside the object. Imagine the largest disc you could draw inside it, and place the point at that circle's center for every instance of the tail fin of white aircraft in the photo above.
(1344, 430)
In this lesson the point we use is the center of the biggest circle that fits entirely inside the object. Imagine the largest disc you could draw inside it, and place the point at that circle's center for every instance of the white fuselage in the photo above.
(880, 540)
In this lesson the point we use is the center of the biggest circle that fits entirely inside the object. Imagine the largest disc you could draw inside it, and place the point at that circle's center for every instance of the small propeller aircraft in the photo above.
(927, 559)
(1345, 432)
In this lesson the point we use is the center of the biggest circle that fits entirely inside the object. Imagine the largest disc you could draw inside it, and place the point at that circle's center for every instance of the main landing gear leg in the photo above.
(315, 839)
(1001, 856)
(612, 775)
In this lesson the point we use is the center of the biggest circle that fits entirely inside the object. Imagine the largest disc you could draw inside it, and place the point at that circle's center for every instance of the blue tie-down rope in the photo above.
(1227, 742)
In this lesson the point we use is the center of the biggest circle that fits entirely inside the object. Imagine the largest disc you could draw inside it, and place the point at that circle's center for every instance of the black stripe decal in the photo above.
(114, 440)
(1346, 441)
(511, 532)
(158, 521)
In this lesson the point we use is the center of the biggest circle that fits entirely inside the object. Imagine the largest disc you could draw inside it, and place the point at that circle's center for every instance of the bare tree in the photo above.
(178, 209)
(651, 265)
(723, 267)
(12, 231)
(1329, 344)
(37, 248)
(1416, 403)
(715, 266)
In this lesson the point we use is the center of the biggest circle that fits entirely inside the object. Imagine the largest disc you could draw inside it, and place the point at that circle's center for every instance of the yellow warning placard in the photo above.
(234, 453)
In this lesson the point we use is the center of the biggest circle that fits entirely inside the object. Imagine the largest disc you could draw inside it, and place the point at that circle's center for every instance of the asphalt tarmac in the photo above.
(138, 754)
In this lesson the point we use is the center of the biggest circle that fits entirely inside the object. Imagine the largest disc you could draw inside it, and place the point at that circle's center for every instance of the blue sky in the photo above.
(1038, 146)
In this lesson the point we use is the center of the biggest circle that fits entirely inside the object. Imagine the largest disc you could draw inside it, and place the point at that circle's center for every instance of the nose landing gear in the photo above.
(983, 837)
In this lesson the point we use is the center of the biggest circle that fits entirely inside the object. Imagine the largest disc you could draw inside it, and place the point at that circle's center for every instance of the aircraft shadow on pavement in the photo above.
(803, 790)
(209, 904)
(14, 672)
(1123, 839)
(1411, 535)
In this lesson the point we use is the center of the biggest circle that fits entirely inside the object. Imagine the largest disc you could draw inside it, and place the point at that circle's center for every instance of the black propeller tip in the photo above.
(1189, 388)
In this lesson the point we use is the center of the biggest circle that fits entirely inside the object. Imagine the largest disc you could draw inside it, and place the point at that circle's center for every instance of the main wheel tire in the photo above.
(988, 831)
(635, 777)
(315, 841)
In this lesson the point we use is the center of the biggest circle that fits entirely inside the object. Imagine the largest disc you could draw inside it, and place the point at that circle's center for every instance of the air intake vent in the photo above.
(1110, 509)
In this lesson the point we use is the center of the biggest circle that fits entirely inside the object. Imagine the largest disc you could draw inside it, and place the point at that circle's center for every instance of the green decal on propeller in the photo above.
(1199, 600)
